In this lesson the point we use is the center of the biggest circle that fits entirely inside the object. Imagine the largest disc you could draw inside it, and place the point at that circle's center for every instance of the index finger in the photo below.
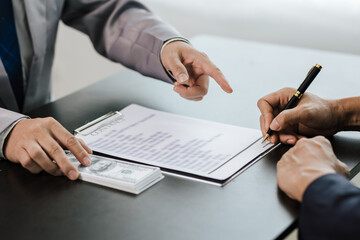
(270, 104)
(72, 143)
(213, 71)
(267, 111)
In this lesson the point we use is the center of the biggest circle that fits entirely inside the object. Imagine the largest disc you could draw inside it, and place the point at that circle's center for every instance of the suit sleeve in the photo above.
(123, 31)
(8, 120)
(330, 209)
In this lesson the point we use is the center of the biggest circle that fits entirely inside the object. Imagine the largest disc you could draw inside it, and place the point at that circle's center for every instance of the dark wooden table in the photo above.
(250, 207)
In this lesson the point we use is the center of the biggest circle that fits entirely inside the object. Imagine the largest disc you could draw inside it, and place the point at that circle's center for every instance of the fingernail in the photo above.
(87, 161)
(290, 141)
(275, 125)
(183, 77)
(73, 175)
(176, 83)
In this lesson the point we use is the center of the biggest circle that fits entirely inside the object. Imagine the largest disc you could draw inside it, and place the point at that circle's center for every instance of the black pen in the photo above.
(299, 93)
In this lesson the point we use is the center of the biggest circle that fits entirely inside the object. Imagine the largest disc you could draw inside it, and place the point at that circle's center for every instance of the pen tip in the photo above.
(265, 137)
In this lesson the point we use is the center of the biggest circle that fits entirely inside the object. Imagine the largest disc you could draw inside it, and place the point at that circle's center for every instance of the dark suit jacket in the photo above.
(330, 209)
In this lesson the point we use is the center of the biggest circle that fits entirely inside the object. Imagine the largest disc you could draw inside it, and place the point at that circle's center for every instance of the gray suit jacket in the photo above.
(121, 30)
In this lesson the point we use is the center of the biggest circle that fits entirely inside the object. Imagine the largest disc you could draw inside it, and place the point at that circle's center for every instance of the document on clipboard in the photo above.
(188, 147)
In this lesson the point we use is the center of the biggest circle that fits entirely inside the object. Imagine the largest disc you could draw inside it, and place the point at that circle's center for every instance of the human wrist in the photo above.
(308, 179)
(348, 111)
(316, 187)
(339, 114)
(5, 135)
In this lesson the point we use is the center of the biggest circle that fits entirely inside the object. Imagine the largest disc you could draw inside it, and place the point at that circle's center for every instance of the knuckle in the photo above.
(36, 128)
(54, 150)
(81, 154)
(302, 142)
(50, 121)
(71, 141)
(215, 71)
(322, 139)
(318, 138)
(306, 111)
(30, 165)
(27, 163)
(35, 153)
(35, 170)
(319, 141)
(261, 100)
(52, 170)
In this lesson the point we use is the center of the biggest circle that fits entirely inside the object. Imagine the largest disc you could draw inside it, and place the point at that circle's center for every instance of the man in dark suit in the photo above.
(310, 172)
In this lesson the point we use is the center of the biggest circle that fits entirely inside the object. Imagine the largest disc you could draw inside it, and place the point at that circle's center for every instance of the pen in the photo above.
(299, 93)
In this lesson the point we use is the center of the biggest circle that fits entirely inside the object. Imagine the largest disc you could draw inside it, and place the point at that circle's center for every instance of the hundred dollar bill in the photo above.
(117, 174)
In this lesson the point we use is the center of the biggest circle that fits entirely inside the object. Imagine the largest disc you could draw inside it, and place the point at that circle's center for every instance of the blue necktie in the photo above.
(9, 50)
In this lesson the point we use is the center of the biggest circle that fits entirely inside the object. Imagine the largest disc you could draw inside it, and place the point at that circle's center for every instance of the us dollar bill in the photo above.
(122, 175)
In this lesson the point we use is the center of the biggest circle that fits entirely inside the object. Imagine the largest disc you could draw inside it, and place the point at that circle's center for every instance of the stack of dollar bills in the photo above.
(121, 175)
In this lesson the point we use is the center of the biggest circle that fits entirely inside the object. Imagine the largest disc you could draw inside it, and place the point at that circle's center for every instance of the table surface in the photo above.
(250, 207)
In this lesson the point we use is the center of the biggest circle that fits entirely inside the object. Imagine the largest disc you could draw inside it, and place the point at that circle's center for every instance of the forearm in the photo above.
(330, 209)
(348, 110)
(124, 31)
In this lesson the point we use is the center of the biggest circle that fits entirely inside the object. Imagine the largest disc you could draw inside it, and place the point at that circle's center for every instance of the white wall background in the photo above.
(322, 24)
(76, 63)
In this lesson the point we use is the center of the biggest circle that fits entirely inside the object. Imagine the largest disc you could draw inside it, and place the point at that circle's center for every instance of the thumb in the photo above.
(178, 70)
(285, 119)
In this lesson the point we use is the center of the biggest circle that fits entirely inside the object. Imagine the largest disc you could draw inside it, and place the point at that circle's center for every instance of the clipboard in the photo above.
(220, 176)
(87, 128)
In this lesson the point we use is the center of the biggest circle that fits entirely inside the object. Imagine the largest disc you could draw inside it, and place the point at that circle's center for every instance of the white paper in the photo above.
(171, 141)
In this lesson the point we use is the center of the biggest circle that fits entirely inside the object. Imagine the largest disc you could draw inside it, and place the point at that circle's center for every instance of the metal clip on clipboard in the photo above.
(82, 130)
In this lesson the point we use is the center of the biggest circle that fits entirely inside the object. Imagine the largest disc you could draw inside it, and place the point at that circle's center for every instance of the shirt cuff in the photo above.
(5, 133)
(168, 72)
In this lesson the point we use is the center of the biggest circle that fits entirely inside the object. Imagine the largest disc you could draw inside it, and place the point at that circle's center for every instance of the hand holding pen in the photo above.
(312, 116)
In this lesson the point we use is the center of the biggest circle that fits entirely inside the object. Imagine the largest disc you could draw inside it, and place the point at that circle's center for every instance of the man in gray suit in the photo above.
(122, 30)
